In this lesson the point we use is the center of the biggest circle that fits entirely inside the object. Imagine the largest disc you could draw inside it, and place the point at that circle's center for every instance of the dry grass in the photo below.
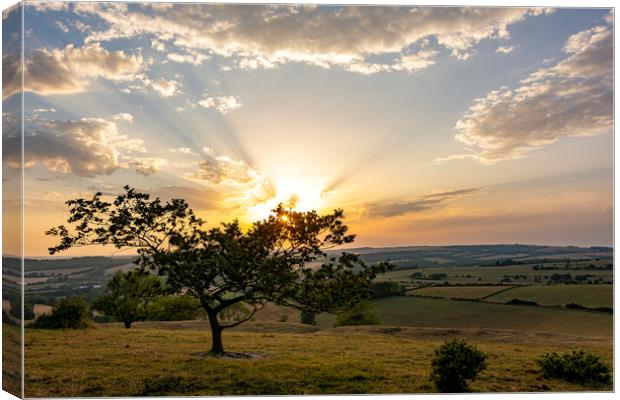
(158, 359)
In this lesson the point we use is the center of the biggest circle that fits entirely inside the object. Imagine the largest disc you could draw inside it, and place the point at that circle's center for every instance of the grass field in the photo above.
(491, 274)
(586, 295)
(463, 292)
(422, 312)
(158, 361)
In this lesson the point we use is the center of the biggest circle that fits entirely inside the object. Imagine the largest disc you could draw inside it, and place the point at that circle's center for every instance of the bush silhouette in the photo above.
(69, 313)
(455, 362)
(576, 367)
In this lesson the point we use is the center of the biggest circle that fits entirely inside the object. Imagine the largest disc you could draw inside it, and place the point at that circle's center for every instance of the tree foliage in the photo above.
(129, 296)
(282, 259)
(174, 308)
(68, 313)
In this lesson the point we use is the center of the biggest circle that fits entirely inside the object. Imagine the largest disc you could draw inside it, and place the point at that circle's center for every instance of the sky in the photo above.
(427, 125)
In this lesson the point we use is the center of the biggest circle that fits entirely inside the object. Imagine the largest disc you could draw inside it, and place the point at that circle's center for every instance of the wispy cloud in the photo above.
(388, 209)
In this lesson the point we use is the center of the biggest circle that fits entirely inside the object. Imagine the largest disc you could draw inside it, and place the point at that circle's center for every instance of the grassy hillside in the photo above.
(586, 295)
(159, 361)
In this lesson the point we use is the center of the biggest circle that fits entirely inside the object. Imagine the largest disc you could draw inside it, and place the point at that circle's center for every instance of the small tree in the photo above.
(274, 260)
(129, 296)
(455, 362)
(69, 313)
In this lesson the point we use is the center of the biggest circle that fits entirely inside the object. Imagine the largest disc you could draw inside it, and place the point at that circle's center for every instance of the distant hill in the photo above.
(428, 256)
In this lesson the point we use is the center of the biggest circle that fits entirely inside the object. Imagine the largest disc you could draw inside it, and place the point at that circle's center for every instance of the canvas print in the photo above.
(228, 199)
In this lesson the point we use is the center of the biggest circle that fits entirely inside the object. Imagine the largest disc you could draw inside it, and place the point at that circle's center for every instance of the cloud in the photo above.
(223, 170)
(263, 36)
(504, 49)
(194, 58)
(86, 147)
(68, 70)
(43, 6)
(165, 87)
(62, 26)
(572, 98)
(422, 203)
(126, 117)
(183, 150)
(223, 104)
(146, 166)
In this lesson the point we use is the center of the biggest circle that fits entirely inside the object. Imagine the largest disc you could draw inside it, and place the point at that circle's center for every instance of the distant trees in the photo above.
(280, 259)
(68, 313)
(129, 296)
(386, 289)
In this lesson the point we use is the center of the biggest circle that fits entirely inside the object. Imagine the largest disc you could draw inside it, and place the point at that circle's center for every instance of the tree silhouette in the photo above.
(281, 259)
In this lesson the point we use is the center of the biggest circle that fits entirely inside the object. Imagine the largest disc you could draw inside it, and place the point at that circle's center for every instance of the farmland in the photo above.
(437, 302)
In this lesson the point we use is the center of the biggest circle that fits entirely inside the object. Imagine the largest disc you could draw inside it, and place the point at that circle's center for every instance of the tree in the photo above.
(281, 259)
(129, 296)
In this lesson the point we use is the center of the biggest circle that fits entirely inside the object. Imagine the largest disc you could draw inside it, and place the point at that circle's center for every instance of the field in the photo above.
(139, 361)
(475, 274)
(440, 302)
(586, 295)
(462, 292)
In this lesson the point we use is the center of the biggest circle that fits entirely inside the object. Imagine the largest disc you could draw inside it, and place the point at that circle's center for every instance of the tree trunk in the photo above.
(127, 324)
(217, 346)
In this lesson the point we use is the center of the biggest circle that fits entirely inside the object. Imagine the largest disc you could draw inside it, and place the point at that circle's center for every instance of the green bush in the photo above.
(174, 308)
(576, 367)
(69, 313)
(361, 313)
(456, 362)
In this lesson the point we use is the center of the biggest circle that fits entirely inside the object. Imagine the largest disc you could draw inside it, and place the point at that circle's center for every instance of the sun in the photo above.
(296, 194)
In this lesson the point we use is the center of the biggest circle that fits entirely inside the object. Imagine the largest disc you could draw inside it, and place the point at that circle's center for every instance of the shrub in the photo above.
(455, 362)
(174, 308)
(69, 313)
(361, 313)
(308, 318)
(576, 367)
(283, 318)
